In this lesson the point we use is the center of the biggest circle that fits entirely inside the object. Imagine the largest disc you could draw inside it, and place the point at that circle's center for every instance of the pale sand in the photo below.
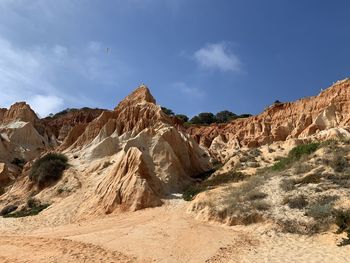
(164, 234)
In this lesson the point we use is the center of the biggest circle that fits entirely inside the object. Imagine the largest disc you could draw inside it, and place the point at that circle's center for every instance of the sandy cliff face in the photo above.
(135, 113)
(61, 124)
(280, 122)
(135, 155)
(23, 135)
(128, 158)
(19, 111)
(20, 133)
(152, 157)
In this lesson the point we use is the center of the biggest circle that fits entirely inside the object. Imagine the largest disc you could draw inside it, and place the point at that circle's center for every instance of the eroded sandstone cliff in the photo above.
(280, 122)
(134, 156)
(153, 157)
(128, 158)
(62, 123)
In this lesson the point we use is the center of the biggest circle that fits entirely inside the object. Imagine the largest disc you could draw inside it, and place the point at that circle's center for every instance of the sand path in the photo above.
(39, 249)
(163, 234)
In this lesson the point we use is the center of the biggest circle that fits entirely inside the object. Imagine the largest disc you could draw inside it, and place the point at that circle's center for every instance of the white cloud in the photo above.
(22, 73)
(217, 56)
(63, 63)
(189, 91)
(44, 105)
(35, 74)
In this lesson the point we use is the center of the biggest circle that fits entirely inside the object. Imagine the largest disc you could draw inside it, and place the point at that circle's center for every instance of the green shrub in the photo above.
(255, 152)
(106, 164)
(320, 211)
(287, 184)
(340, 179)
(301, 168)
(182, 117)
(167, 111)
(203, 118)
(191, 191)
(225, 116)
(338, 162)
(345, 241)
(28, 212)
(309, 179)
(48, 169)
(8, 209)
(298, 202)
(256, 195)
(281, 164)
(261, 205)
(32, 202)
(294, 155)
(304, 149)
(332, 144)
(18, 162)
(342, 220)
(32, 208)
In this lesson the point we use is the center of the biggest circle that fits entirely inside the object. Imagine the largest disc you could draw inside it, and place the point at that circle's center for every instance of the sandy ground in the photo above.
(164, 234)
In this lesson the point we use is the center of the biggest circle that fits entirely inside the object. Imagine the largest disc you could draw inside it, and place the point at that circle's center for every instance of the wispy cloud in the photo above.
(217, 56)
(192, 92)
(45, 104)
(35, 74)
(44, 54)
(22, 74)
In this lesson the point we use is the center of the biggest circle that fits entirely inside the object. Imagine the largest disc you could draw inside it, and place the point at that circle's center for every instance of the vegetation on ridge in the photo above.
(68, 110)
(206, 118)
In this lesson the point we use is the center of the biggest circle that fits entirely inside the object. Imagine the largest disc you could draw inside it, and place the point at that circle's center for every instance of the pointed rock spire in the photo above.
(19, 111)
(139, 95)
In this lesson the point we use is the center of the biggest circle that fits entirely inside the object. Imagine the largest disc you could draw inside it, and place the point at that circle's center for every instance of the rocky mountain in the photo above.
(19, 136)
(23, 136)
(128, 158)
(19, 111)
(153, 158)
(281, 121)
(134, 156)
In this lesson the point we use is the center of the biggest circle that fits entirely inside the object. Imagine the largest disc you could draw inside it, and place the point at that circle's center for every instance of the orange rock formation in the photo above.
(282, 121)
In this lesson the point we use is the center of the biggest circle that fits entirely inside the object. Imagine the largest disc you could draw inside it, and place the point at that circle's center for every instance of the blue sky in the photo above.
(195, 55)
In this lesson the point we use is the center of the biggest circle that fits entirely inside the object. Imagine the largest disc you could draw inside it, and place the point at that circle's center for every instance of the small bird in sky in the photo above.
(108, 50)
